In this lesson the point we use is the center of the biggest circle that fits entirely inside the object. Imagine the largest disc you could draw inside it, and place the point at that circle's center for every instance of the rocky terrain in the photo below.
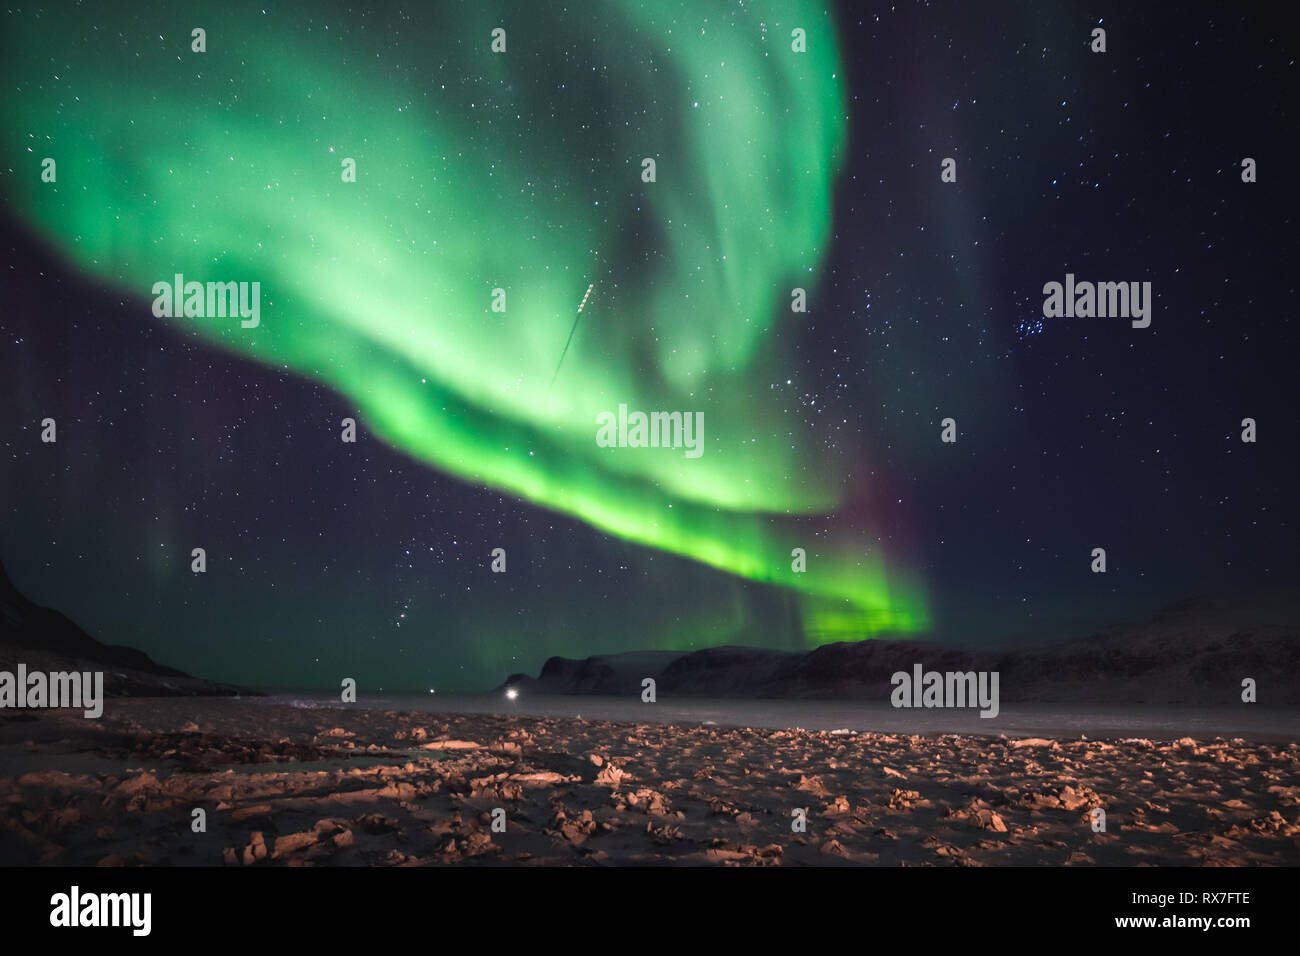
(290, 786)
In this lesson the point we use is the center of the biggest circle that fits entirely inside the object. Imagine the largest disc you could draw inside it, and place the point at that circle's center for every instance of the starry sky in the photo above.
(522, 170)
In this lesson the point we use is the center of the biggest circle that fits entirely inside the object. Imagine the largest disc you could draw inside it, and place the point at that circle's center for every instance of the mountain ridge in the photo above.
(45, 639)
(1195, 650)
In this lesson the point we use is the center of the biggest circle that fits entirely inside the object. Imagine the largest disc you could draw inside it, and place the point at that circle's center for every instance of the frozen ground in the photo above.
(1066, 722)
(390, 784)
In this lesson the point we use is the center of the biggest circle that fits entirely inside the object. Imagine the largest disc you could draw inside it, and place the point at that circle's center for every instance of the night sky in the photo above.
(522, 170)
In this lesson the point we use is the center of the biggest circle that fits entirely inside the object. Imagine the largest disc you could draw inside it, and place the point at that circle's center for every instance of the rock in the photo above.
(813, 785)
(902, 799)
(292, 842)
(542, 778)
(398, 791)
(475, 844)
(138, 783)
(246, 813)
(1040, 801)
(254, 852)
(610, 776)
(663, 836)
(573, 831)
(1073, 799)
(989, 820)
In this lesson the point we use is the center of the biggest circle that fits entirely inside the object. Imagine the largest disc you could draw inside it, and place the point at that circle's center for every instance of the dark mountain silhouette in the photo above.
(1192, 652)
(46, 640)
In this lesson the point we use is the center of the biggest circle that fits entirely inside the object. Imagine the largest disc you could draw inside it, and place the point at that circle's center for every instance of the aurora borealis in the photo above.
(521, 171)
(381, 288)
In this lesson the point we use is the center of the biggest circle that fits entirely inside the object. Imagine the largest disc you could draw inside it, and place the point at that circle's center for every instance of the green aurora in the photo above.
(518, 170)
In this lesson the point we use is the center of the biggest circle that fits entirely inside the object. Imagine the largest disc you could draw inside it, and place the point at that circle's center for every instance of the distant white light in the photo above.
(512, 693)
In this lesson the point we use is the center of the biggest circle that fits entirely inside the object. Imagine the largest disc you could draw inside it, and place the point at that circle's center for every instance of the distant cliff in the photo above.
(46, 640)
(1192, 652)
